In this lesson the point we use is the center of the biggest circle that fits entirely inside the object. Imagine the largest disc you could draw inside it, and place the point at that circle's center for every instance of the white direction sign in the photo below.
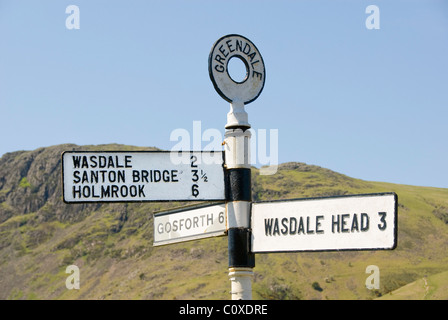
(360, 222)
(119, 176)
(189, 224)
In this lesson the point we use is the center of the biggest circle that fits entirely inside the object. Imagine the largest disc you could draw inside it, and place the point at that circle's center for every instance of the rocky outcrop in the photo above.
(30, 182)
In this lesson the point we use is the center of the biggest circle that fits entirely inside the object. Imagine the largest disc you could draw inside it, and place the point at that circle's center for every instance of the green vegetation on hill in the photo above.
(111, 243)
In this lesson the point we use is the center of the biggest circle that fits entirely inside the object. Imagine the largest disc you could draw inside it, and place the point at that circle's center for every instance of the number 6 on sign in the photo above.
(194, 190)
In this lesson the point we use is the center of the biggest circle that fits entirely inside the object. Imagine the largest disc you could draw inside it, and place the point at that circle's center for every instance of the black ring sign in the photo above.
(236, 46)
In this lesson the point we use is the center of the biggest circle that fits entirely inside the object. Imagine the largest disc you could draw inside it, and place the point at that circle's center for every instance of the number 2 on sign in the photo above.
(195, 178)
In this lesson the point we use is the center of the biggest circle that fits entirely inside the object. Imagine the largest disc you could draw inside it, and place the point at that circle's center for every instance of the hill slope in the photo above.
(434, 287)
(111, 244)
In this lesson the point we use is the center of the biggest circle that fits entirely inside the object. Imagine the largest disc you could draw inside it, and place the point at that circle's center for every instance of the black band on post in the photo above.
(238, 184)
(239, 248)
(238, 188)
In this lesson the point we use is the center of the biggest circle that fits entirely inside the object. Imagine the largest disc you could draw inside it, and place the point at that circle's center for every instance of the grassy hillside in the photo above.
(434, 287)
(112, 243)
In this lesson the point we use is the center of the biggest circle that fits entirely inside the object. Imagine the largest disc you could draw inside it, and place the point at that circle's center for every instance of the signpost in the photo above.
(358, 222)
(237, 154)
(119, 176)
(189, 224)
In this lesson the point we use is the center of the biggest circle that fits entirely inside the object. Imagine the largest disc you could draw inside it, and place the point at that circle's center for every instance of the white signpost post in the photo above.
(237, 154)
(358, 222)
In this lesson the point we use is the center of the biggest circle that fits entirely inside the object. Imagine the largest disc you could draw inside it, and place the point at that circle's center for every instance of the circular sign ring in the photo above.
(241, 58)
(236, 46)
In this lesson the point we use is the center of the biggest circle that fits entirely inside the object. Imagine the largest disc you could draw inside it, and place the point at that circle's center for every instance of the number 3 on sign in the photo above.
(383, 224)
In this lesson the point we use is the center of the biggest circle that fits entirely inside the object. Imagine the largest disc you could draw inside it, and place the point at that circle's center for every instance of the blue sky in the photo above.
(371, 104)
